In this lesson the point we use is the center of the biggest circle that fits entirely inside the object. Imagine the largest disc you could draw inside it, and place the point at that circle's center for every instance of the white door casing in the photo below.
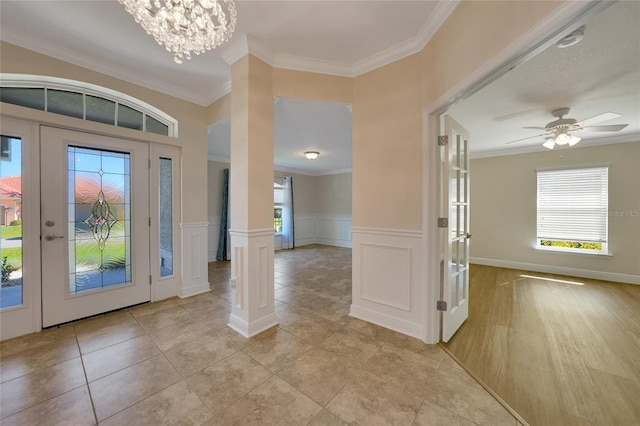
(59, 303)
(455, 202)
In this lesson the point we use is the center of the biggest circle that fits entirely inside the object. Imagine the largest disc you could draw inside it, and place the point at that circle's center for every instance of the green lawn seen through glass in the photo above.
(13, 254)
(10, 231)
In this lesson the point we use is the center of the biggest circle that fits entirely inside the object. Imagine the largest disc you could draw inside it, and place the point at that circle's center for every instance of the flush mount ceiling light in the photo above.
(573, 38)
(311, 155)
(185, 26)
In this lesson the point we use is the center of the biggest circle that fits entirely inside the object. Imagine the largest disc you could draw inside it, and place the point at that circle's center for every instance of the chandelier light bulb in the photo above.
(184, 27)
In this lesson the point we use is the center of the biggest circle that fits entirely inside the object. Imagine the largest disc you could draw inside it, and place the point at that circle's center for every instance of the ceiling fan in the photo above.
(559, 132)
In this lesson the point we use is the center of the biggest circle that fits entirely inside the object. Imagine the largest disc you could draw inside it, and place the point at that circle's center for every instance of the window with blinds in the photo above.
(572, 209)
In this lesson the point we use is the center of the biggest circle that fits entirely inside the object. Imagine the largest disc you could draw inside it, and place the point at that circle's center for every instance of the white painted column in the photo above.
(251, 194)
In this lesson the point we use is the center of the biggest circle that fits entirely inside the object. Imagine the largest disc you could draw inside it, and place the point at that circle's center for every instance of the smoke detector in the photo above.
(571, 39)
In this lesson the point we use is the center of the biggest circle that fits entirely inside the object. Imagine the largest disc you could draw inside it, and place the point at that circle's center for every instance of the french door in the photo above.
(455, 206)
(94, 224)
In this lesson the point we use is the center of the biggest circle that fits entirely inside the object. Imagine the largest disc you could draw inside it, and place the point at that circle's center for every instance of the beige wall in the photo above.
(304, 188)
(191, 118)
(330, 194)
(250, 185)
(475, 32)
(308, 85)
(503, 207)
(387, 147)
(333, 194)
(220, 109)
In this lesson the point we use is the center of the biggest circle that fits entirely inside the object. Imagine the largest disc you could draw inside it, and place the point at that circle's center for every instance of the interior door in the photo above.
(455, 202)
(94, 224)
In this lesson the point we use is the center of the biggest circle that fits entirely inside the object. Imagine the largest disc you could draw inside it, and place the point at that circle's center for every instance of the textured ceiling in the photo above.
(599, 74)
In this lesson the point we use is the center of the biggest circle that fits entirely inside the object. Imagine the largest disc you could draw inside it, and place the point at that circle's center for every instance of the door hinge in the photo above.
(443, 140)
(149, 221)
(443, 222)
(149, 162)
(441, 305)
(149, 279)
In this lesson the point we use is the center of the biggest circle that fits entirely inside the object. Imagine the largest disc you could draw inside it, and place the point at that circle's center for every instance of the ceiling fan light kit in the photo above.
(185, 26)
(559, 132)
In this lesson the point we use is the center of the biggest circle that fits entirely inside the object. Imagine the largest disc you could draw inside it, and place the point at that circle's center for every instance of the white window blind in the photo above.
(572, 204)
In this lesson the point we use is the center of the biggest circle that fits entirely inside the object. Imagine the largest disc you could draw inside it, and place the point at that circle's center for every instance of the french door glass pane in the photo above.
(166, 218)
(11, 221)
(99, 219)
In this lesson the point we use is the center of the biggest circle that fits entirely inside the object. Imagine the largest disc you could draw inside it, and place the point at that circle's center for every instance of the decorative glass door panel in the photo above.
(95, 224)
(99, 219)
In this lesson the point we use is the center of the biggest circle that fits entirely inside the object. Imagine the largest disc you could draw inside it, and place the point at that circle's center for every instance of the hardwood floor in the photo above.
(558, 353)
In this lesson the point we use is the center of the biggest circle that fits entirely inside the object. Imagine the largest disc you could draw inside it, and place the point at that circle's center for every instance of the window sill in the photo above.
(579, 253)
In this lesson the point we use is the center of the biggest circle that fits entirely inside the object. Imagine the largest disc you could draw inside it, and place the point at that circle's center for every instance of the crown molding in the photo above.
(219, 92)
(299, 63)
(19, 38)
(218, 159)
(633, 137)
(411, 46)
(235, 50)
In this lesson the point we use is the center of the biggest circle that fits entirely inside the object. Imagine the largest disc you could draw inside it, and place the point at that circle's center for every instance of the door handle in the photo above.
(51, 237)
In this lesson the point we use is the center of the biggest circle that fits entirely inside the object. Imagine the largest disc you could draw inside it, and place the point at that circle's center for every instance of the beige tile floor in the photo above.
(175, 362)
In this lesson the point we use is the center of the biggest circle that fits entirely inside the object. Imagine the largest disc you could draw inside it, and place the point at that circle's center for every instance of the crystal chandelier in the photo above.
(185, 26)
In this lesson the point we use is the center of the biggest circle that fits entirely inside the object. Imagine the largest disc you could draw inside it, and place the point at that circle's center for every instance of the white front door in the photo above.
(455, 203)
(94, 224)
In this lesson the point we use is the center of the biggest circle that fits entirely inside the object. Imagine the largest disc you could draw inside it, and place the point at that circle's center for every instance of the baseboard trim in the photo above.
(251, 329)
(194, 290)
(572, 272)
(332, 242)
(395, 324)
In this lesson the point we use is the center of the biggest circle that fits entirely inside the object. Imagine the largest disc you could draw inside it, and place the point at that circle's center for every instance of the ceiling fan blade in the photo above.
(599, 118)
(524, 139)
(537, 128)
(607, 128)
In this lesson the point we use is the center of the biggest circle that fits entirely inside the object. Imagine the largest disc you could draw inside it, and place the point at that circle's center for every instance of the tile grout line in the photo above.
(86, 379)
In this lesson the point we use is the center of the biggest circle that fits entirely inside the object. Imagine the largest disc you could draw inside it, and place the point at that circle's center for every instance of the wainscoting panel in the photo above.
(387, 279)
(333, 230)
(390, 286)
(305, 229)
(195, 277)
